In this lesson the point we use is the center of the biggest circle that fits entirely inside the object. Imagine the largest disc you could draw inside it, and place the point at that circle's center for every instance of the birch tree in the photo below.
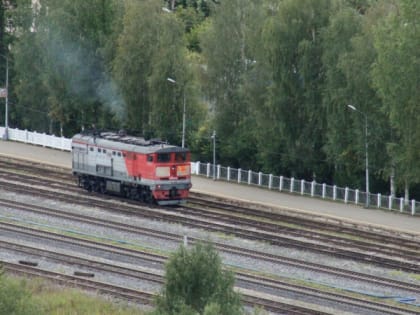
(395, 75)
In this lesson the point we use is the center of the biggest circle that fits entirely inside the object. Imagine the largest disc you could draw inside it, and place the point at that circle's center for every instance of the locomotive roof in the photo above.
(123, 142)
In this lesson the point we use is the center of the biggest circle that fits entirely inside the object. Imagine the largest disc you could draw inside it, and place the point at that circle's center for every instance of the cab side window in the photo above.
(150, 158)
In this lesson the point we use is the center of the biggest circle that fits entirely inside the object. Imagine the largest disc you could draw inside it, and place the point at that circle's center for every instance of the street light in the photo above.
(183, 113)
(5, 93)
(214, 154)
(366, 149)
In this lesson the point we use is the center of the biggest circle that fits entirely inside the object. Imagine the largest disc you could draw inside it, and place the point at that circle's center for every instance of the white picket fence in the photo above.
(36, 138)
(305, 188)
(248, 177)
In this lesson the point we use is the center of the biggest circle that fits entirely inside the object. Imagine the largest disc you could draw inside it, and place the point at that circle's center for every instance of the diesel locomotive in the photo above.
(150, 171)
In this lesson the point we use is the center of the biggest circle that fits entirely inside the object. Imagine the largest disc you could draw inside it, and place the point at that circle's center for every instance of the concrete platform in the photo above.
(334, 210)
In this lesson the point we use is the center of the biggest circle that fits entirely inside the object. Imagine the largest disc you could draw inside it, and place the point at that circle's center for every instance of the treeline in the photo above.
(273, 78)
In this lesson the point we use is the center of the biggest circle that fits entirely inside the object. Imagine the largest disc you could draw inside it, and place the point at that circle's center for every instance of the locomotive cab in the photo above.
(173, 172)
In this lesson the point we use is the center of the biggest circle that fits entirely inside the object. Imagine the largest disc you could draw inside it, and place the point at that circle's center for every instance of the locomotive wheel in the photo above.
(102, 188)
(134, 194)
(86, 185)
(147, 197)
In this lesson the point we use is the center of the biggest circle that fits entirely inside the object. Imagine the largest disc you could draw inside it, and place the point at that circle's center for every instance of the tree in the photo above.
(338, 92)
(395, 75)
(133, 62)
(7, 36)
(169, 81)
(32, 109)
(65, 40)
(292, 120)
(196, 283)
(227, 66)
(348, 52)
(151, 49)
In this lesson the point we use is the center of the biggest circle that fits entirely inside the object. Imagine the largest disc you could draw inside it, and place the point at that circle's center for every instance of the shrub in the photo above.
(197, 284)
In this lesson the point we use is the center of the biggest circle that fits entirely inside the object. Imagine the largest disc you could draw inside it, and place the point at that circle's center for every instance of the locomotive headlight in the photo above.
(183, 170)
(163, 171)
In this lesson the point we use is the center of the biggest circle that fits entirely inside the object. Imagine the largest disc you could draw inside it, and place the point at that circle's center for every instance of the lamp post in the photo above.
(183, 113)
(5, 94)
(214, 154)
(366, 153)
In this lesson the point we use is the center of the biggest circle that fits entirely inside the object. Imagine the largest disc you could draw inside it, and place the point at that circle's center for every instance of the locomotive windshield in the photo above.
(180, 157)
(164, 157)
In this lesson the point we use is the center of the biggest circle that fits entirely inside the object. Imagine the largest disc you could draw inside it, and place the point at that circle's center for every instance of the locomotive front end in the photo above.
(173, 176)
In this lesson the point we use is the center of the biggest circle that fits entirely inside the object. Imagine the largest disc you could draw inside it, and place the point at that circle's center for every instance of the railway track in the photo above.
(178, 238)
(224, 217)
(353, 231)
(239, 212)
(62, 178)
(91, 267)
(254, 229)
(80, 282)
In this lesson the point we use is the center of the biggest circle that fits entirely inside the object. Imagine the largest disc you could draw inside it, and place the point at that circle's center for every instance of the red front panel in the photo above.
(172, 166)
(166, 194)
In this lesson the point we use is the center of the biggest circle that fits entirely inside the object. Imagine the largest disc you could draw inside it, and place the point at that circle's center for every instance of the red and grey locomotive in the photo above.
(146, 170)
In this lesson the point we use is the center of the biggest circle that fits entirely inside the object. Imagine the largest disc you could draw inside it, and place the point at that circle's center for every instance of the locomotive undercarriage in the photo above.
(137, 192)
(102, 185)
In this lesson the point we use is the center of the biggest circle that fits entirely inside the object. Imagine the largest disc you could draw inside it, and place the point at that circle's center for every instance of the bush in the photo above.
(196, 284)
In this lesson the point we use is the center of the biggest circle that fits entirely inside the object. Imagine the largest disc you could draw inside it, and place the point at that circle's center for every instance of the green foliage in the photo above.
(36, 297)
(55, 301)
(196, 284)
(57, 58)
(273, 78)
(168, 98)
(395, 75)
(293, 109)
(344, 77)
(360, 5)
(151, 49)
(259, 311)
(132, 62)
(15, 298)
(227, 68)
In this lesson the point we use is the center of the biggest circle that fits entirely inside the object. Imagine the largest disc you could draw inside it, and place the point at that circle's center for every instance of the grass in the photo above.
(56, 300)
(414, 276)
